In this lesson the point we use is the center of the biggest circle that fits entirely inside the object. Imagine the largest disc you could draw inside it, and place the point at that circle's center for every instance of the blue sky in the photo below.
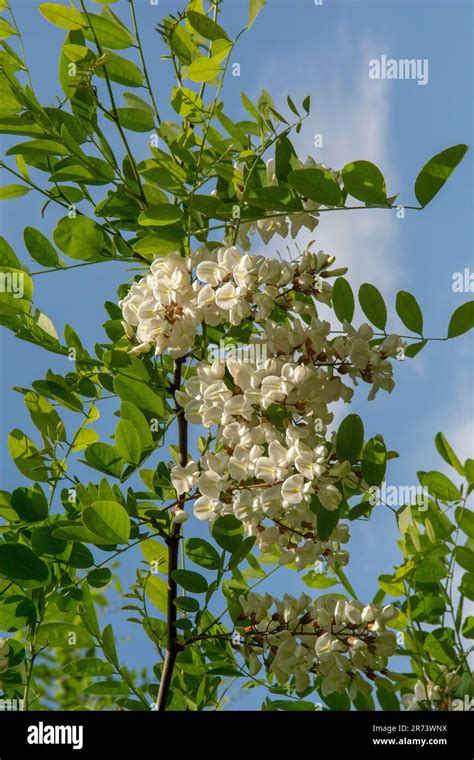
(298, 48)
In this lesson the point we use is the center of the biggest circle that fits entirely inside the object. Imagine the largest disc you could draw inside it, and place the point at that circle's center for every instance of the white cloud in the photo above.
(352, 115)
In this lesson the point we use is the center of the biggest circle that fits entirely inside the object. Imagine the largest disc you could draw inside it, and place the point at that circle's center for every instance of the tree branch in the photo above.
(172, 644)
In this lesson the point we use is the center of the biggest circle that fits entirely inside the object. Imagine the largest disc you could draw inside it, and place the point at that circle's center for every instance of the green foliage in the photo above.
(63, 536)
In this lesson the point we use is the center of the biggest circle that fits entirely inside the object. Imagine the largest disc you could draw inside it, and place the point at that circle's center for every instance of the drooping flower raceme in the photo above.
(337, 641)
(271, 464)
(433, 695)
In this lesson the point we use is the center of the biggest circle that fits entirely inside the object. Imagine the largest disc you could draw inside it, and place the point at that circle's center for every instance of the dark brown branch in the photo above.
(172, 644)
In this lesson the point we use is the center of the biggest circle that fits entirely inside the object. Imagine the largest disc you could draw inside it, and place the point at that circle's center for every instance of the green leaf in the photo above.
(44, 543)
(186, 603)
(157, 591)
(318, 580)
(350, 438)
(108, 688)
(13, 191)
(205, 26)
(286, 159)
(108, 645)
(428, 570)
(81, 238)
(88, 613)
(104, 458)
(188, 104)
(30, 504)
(109, 520)
(18, 563)
(414, 348)
(409, 311)
(190, 581)
(318, 185)
(139, 394)
(180, 41)
(255, 6)
(136, 119)
(462, 320)
(109, 33)
(203, 70)
(39, 248)
(469, 470)
(275, 198)
(467, 586)
(8, 257)
(62, 15)
(132, 414)
(88, 666)
(468, 627)
(16, 612)
(447, 453)
(16, 287)
(391, 586)
(343, 300)
(202, 553)
(440, 486)
(440, 644)
(127, 442)
(160, 215)
(373, 305)
(27, 457)
(6, 29)
(465, 520)
(156, 554)
(436, 171)
(37, 147)
(364, 181)
(326, 521)
(288, 705)
(241, 552)
(228, 532)
(387, 700)
(168, 240)
(374, 462)
(64, 635)
(100, 577)
(338, 701)
(464, 557)
(70, 531)
(121, 70)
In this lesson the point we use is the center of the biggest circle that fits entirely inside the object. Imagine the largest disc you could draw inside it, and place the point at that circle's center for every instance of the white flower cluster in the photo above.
(267, 409)
(330, 638)
(278, 224)
(4, 653)
(429, 695)
(258, 472)
(164, 309)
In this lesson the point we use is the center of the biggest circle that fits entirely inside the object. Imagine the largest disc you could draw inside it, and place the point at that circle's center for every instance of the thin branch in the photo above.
(172, 644)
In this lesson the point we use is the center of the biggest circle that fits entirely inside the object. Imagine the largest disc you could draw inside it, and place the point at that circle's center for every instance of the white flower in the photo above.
(205, 508)
(184, 478)
(329, 496)
(179, 516)
(292, 489)
(226, 297)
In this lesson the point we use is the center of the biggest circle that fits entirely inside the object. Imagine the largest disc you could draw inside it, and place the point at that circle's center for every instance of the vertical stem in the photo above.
(172, 645)
(114, 112)
(142, 59)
